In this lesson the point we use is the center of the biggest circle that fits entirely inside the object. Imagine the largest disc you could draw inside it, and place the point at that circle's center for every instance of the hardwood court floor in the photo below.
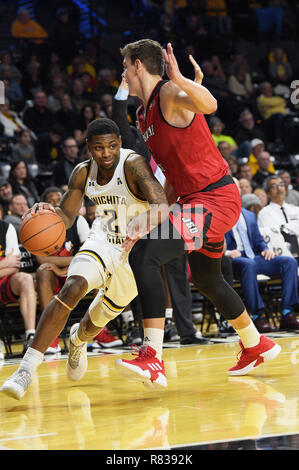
(202, 405)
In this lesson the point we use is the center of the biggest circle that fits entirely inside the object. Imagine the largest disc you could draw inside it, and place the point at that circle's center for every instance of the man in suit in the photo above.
(250, 256)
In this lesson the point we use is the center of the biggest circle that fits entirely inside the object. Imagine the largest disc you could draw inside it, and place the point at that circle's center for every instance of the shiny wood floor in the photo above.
(202, 404)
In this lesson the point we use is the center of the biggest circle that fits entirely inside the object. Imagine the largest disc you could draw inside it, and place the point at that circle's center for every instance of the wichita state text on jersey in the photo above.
(116, 204)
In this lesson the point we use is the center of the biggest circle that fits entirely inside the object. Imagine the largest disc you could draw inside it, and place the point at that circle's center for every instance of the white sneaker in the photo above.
(77, 359)
(16, 385)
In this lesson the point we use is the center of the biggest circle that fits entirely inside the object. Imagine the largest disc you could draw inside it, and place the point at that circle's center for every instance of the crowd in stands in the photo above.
(53, 91)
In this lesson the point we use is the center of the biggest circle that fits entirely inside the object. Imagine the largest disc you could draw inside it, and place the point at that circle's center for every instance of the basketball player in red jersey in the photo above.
(174, 128)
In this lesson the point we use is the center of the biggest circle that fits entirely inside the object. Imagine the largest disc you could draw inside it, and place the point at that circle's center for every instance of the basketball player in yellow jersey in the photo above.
(122, 184)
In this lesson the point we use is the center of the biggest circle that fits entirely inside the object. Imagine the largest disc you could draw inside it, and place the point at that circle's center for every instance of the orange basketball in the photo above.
(43, 233)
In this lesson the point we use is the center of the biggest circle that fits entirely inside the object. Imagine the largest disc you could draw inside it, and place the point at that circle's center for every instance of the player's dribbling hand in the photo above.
(38, 206)
(172, 68)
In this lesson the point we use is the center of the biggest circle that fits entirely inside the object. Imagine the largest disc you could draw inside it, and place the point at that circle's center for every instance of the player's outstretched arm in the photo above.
(184, 92)
(72, 199)
(140, 177)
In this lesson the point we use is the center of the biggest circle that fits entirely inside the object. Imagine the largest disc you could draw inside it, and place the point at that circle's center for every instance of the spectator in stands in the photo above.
(5, 194)
(246, 172)
(240, 83)
(246, 132)
(54, 99)
(24, 149)
(278, 213)
(64, 35)
(87, 114)
(32, 80)
(292, 196)
(233, 166)
(48, 149)
(14, 93)
(90, 212)
(257, 146)
(217, 126)
(39, 118)
(6, 60)
(273, 109)
(22, 183)
(218, 20)
(63, 169)
(51, 274)
(262, 195)
(263, 172)
(78, 96)
(79, 65)
(225, 149)
(252, 203)
(245, 186)
(17, 208)
(67, 116)
(10, 120)
(279, 69)
(194, 30)
(26, 28)
(15, 286)
(104, 86)
(251, 256)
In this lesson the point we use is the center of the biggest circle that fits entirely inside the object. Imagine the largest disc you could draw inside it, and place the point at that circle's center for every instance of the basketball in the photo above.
(43, 233)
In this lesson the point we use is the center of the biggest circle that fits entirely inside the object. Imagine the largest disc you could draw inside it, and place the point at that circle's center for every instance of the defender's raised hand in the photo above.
(197, 70)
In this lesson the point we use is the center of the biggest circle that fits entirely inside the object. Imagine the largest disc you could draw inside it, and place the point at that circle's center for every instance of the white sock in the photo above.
(249, 335)
(31, 360)
(75, 338)
(127, 316)
(29, 332)
(154, 338)
(168, 313)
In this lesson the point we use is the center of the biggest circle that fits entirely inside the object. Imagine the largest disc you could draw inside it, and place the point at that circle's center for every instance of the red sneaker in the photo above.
(54, 347)
(145, 368)
(106, 340)
(249, 358)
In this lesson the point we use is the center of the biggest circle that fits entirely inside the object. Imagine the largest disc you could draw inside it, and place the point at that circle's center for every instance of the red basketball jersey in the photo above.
(187, 156)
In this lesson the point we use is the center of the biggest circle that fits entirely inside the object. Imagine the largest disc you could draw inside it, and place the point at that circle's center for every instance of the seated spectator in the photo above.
(279, 69)
(7, 60)
(15, 286)
(9, 119)
(78, 96)
(5, 194)
(15, 92)
(39, 118)
(52, 271)
(26, 28)
(292, 196)
(217, 126)
(90, 212)
(250, 256)
(104, 86)
(79, 65)
(257, 146)
(262, 195)
(32, 80)
(17, 207)
(47, 148)
(225, 149)
(24, 149)
(245, 186)
(240, 83)
(58, 90)
(87, 114)
(67, 116)
(248, 130)
(194, 30)
(273, 109)
(252, 203)
(263, 172)
(279, 214)
(218, 20)
(233, 166)
(22, 183)
(64, 32)
(106, 103)
(246, 172)
(63, 169)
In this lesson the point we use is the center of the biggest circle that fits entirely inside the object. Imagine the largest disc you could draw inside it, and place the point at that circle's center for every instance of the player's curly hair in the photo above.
(101, 127)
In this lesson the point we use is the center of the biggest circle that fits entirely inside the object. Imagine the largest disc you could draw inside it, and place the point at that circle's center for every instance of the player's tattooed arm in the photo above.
(72, 199)
(140, 177)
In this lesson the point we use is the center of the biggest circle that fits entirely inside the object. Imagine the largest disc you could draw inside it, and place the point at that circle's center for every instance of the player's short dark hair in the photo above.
(149, 52)
(102, 127)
